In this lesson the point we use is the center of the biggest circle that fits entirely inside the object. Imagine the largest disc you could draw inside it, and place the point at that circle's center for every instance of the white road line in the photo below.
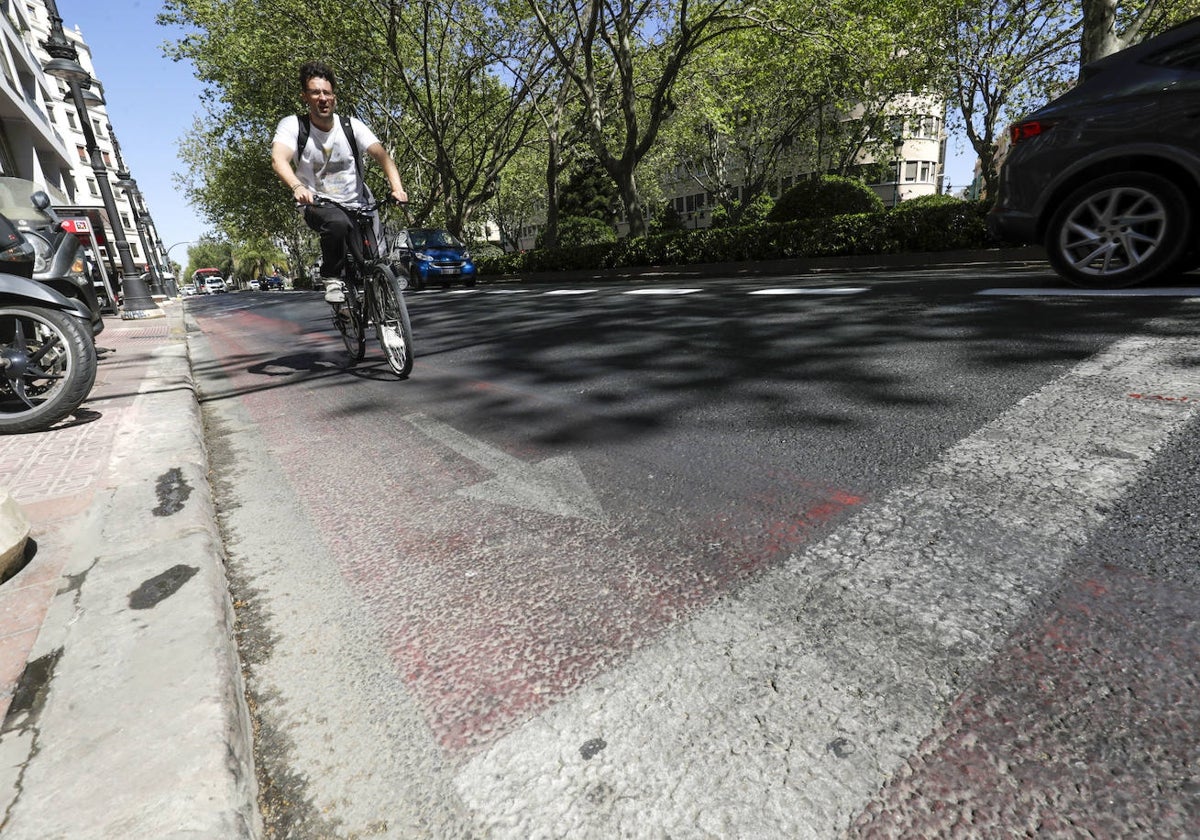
(835, 290)
(662, 291)
(781, 710)
(1190, 292)
(571, 292)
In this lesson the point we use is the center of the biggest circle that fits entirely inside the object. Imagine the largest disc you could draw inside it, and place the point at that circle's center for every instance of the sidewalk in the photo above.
(121, 694)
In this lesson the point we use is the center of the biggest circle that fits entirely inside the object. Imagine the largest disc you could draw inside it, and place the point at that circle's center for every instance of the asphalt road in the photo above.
(717, 557)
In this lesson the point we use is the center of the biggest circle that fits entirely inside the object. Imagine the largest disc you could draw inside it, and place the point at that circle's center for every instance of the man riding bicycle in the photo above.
(328, 164)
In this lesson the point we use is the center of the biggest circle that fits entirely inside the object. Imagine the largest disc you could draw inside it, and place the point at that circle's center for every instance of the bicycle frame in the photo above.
(381, 301)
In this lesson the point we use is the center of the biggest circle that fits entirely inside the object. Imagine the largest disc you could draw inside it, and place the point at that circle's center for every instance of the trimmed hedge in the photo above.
(824, 198)
(937, 226)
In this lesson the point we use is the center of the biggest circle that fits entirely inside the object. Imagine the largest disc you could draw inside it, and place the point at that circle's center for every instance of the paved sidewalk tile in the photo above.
(53, 476)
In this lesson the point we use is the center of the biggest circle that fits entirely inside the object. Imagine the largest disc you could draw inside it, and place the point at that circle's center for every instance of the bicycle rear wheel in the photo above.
(392, 326)
(348, 319)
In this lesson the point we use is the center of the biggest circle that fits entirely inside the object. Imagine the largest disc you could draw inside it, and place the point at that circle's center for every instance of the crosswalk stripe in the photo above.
(781, 710)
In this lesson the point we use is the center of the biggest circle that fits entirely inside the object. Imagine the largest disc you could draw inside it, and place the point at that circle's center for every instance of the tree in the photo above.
(1001, 55)
(630, 55)
(468, 75)
(590, 193)
(1110, 25)
(812, 88)
(210, 252)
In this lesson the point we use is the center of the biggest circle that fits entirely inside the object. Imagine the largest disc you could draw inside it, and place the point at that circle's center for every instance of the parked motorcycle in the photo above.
(47, 352)
(59, 261)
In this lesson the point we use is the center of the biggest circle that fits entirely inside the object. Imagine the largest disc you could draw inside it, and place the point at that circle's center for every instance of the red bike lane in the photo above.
(491, 612)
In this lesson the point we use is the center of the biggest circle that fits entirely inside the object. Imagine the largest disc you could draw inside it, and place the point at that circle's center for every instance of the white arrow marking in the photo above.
(556, 485)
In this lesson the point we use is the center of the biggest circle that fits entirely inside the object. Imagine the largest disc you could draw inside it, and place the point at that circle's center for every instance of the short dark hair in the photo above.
(316, 70)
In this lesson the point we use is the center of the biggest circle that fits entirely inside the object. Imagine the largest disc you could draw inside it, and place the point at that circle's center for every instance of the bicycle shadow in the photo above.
(301, 362)
(322, 363)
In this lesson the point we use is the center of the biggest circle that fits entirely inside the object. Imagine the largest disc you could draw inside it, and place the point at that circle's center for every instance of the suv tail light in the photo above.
(1025, 130)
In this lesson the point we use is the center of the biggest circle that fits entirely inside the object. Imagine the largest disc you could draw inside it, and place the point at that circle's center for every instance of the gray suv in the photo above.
(1107, 176)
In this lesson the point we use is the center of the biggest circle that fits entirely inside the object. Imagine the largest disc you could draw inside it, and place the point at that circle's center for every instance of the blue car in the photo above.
(434, 255)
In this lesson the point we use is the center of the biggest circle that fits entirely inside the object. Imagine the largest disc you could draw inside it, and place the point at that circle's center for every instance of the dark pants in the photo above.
(337, 230)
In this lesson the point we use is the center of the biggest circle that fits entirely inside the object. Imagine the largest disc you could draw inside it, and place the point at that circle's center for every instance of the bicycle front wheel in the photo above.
(392, 326)
(348, 319)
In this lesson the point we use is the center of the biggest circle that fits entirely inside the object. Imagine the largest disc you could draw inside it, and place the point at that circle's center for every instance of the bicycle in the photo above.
(381, 299)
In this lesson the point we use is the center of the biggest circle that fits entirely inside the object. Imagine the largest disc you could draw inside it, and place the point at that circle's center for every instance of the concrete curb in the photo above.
(133, 721)
(14, 531)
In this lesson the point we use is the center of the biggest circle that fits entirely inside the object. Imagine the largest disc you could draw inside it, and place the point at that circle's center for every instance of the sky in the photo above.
(152, 102)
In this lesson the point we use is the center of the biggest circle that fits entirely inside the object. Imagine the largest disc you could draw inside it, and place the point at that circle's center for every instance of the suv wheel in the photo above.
(1119, 230)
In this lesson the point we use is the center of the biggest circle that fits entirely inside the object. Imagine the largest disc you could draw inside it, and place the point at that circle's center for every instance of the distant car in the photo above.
(274, 282)
(189, 289)
(433, 255)
(1107, 176)
(215, 285)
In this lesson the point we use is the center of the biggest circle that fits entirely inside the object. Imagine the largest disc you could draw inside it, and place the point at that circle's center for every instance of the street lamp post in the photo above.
(125, 181)
(171, 248)
(64, 64)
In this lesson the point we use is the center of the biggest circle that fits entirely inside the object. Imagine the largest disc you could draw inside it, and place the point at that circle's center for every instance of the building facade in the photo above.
(31, 21)
(31, 146)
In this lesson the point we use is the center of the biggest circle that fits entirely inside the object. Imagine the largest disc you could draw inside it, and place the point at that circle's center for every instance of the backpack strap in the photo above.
(347, 129)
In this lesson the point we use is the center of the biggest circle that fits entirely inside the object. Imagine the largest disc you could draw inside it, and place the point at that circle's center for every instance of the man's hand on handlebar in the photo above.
(302, 194)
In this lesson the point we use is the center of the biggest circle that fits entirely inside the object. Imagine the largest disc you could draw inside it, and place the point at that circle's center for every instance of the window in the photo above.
(125, 220)
(71, 121)
(927, 127)
(7, 167)
(910, 170)
(92, 188)
(107, 159)
(96, 127)
(83, 155)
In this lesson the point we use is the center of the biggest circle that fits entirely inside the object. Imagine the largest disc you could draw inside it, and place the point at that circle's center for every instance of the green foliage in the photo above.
(923, 201)
(927, 227)
(576, 231)
(823, 198)
(665, 219)
(589, 192)
(757, 210)
(210, 253)
(486, 251)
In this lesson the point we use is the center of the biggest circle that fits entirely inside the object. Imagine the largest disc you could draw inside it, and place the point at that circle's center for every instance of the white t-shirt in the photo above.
(326, 164)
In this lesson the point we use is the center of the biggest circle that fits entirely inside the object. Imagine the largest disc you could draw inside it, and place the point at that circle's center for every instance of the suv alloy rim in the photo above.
(1113, 231)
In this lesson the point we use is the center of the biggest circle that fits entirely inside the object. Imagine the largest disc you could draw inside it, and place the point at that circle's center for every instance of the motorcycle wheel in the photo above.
(47, 367)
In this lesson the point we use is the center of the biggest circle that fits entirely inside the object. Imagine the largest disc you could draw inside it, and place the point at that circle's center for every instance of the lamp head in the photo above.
(67, 69)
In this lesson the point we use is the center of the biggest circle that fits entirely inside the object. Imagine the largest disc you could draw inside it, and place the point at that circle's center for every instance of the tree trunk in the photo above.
(550, 231)
(635, 212)
(1099, 37)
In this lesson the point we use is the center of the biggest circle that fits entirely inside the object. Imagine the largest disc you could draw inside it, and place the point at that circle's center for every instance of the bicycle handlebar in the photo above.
(370, 207)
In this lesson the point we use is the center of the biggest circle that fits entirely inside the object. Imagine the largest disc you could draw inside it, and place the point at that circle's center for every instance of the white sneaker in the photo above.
(335, 291)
